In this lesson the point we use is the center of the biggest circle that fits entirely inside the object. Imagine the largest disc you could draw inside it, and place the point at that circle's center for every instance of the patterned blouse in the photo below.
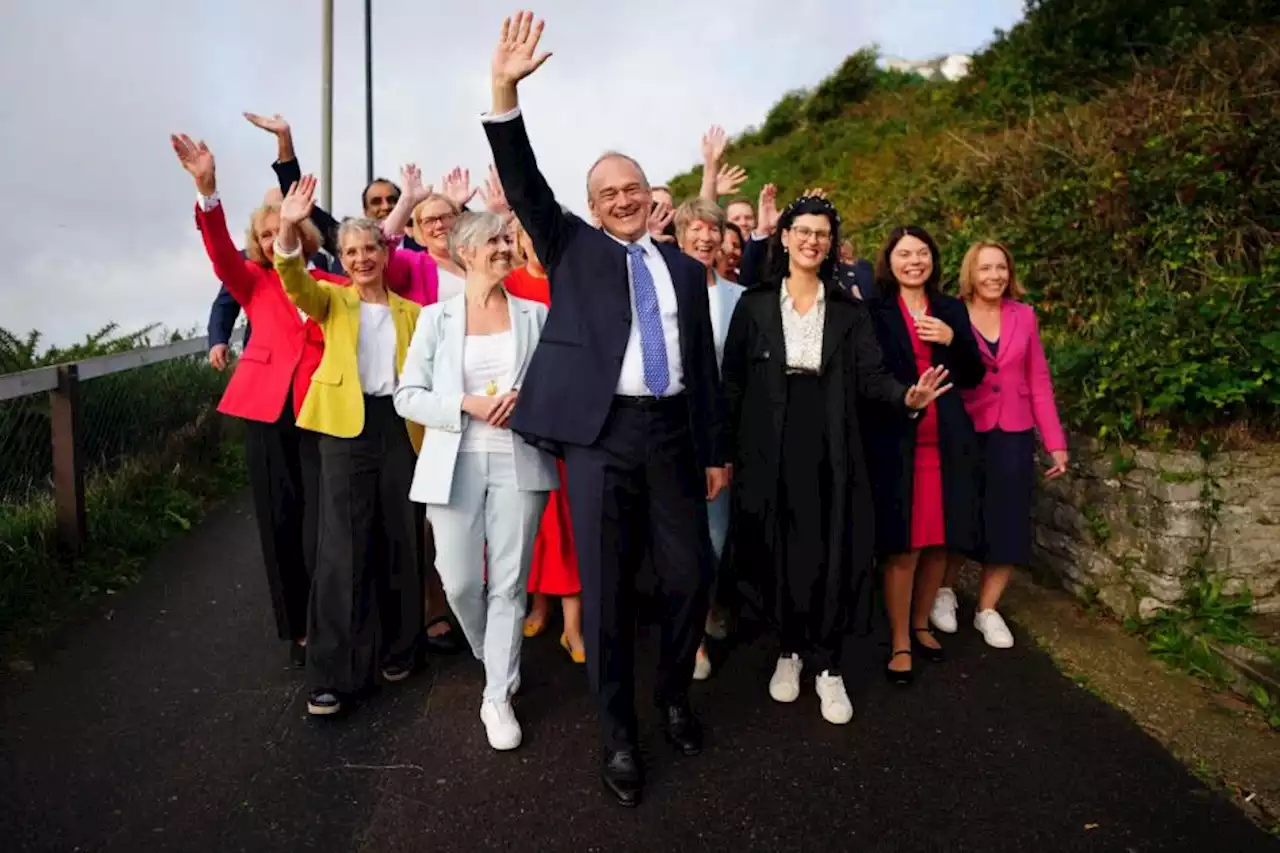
(803, 332)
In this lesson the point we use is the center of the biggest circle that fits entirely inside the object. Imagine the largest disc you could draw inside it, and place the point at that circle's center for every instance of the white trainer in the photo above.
(785, 684)
(836, 707)
(943, 614)
(701, 666)
(994, 630)
(500, 725)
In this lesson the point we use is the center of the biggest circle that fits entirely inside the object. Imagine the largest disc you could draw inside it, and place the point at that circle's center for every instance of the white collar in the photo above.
(786, 296)
(645, 242)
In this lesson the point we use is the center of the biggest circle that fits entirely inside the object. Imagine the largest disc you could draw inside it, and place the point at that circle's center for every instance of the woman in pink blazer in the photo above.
(1014, 400)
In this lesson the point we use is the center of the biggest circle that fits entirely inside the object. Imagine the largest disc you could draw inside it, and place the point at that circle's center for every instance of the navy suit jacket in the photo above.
(573, 375)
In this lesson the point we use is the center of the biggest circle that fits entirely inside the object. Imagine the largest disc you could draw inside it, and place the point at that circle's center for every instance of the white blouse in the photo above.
(803, 332)
(376, 350)
(487, 361)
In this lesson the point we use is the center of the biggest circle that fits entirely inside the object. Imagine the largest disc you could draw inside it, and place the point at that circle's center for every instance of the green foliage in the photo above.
(1143, 211)
(1073, 49)
(132, 511)
(23, 353)
(785, 116)
(850, 84)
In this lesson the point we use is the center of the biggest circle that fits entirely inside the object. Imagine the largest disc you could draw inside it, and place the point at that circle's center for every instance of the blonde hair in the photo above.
(311, 239)
(969, 271)
(454, 208)
(699, 210)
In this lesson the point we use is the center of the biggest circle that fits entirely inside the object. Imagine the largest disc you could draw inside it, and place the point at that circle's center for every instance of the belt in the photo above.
(627, 401)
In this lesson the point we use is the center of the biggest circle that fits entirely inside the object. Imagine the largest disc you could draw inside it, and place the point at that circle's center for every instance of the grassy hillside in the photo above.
(1133, 176)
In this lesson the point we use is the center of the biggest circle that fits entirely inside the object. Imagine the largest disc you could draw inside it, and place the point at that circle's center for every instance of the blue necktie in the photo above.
(653, 344)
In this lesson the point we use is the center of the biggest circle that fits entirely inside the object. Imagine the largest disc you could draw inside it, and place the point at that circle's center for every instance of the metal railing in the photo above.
(63, 423)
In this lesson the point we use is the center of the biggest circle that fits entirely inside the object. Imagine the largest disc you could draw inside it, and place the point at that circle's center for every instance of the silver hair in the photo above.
(360, 225)
(472, 230)
(615, 155)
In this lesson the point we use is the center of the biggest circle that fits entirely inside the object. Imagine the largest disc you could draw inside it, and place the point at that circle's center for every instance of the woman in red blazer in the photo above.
(266, 391)
(1014, 400)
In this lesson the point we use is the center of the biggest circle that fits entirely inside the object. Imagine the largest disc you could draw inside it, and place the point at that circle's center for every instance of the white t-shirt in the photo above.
(449, 285)
(376, 350)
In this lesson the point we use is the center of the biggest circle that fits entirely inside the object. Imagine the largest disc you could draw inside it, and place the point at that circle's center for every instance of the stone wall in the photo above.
(1133, 529)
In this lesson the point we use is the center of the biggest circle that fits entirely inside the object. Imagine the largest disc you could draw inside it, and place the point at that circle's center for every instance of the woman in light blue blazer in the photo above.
(700, 226)
(484, 487)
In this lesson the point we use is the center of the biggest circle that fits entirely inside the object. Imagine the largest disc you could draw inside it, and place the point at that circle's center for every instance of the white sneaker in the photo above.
(943, 614)
(701, 666)
(994, 631)
(836, 707)
(785, 684)
(500, 725)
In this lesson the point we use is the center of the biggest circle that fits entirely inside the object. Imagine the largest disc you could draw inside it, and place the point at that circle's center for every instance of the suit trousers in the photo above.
(284, 472)
(366, 596)
(639, 489)
(486, 513)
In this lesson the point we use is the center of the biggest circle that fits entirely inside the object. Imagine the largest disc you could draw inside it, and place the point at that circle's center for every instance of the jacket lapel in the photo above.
(1008, 325)
(891, 316)
(838, 322)
(521, 329)
(454, 333)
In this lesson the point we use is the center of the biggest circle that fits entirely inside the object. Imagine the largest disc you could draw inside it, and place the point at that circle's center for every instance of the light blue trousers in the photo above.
(486, 509)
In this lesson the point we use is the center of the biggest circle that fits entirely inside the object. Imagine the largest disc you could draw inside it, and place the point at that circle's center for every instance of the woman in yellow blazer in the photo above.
(368, 546)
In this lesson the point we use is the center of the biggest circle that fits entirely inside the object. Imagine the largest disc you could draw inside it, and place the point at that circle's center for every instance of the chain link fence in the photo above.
(26, 453)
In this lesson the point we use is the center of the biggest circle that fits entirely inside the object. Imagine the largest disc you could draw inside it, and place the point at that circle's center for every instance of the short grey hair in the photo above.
(474, 229)
(614, 155)
(360, 225)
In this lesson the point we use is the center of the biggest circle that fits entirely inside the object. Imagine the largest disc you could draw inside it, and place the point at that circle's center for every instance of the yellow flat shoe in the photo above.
(533, 628)
(578, 657)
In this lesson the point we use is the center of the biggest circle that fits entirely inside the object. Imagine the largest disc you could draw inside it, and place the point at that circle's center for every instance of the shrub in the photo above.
(850, 84)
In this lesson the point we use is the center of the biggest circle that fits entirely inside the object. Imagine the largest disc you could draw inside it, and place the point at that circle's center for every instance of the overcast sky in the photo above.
(96, 213)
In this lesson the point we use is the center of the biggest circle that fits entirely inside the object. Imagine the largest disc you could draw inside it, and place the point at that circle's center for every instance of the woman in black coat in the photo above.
(925, 473)
(800, 362)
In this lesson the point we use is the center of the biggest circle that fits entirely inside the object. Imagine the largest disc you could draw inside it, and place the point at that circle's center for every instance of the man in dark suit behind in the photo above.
(624, 385)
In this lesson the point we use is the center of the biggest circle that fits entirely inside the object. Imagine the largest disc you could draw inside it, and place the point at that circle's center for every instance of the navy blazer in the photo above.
(573, 375)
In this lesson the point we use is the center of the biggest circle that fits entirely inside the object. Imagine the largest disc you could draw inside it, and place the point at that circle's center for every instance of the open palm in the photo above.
(197, 159)
(297, 205)
(516, 56)
(272, 124)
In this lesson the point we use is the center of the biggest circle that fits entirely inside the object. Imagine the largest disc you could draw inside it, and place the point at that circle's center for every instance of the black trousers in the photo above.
(639, 488)
(284, 473)
(366, 596)
(810, 623)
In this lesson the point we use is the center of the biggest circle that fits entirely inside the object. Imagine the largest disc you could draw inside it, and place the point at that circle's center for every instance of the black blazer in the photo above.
(573, 374)
(891, 441)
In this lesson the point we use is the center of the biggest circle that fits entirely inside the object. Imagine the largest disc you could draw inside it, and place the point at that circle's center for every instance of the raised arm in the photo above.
(288, 173)
(228, 265)
(527, 191)
(311, 296)
(718, 179)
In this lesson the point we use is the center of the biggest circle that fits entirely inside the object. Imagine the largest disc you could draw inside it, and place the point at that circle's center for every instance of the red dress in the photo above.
(927, 524)
(555, 563)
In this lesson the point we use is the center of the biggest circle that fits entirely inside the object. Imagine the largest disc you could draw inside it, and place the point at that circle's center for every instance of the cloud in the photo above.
(97, 212)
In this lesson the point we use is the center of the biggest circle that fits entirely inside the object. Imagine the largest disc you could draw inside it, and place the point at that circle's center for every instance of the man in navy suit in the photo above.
(624, 385)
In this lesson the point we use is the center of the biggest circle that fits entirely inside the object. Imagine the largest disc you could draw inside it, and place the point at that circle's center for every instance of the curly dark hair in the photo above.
(885, 280)
(778, 262)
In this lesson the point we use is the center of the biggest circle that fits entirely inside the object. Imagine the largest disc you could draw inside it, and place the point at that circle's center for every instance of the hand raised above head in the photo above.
(714, 142)
(271, 124)
(767, 215)
(729, 178)
(516, 56)
(299, 201)
(197, 159)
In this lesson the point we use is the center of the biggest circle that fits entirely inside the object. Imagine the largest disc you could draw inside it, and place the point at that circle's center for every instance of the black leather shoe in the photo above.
(682, 729)
(929, 653)
(623, 776)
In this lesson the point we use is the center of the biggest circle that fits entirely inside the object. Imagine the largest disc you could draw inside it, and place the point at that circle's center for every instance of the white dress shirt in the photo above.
(631, 377)
(376, 350)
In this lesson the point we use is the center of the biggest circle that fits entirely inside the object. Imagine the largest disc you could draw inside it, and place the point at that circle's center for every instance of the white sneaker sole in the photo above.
(323, 710)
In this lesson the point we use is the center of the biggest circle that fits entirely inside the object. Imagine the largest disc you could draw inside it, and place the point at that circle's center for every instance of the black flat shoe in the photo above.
(681, 728)
(905, 676)
(448, 643)
(297, 654)
(623, 776)
(929, 653)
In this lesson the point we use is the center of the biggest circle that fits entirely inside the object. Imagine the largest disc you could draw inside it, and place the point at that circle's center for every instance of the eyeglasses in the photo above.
(383, 199)
(442, 219)
(803, 234)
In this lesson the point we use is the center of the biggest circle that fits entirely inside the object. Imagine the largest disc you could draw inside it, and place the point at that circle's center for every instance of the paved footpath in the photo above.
(175, 724)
